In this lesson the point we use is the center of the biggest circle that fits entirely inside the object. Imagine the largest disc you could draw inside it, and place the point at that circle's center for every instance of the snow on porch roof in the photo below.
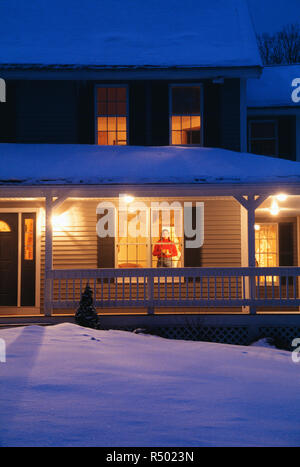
(138, 33)
(274, 87)
(52, 164)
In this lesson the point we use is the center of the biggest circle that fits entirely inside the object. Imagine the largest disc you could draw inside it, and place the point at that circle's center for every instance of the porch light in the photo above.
(127, 198)
(274, 208)
(59, 222)
(256, 226)
(281, 197)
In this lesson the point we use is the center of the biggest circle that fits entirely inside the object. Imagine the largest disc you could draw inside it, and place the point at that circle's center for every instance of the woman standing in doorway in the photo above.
(165, 250)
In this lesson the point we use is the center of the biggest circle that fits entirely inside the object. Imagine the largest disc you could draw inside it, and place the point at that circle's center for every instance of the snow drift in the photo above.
(70, 386)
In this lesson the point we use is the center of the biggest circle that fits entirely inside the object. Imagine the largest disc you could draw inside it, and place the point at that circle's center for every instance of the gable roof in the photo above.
(274, 87)
(156, 33)
(69, 164)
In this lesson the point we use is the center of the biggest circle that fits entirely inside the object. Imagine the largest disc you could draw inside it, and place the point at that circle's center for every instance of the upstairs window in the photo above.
(186, 115)
(111, 115)
(263, 137)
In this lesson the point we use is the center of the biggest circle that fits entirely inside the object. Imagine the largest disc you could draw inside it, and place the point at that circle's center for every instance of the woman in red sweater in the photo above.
(165, 250)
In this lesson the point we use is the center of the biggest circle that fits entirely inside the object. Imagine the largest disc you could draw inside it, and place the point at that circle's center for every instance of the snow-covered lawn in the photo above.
(70, 386)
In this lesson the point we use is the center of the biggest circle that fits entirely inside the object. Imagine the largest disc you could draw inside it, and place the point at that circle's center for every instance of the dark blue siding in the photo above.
(46, 112)
(58, 111)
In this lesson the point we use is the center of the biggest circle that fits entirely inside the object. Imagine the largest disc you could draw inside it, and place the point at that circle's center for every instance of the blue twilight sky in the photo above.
(271, 15)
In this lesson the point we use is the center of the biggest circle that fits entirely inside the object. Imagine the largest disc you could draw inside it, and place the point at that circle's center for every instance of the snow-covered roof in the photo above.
(275, 87)
(52, 164)
(215, 33)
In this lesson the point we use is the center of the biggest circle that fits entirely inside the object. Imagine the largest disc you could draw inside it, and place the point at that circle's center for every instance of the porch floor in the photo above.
(25, 313)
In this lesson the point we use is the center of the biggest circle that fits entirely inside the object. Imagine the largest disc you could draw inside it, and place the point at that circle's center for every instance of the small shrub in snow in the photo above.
(86, 314)
(140, 331)
(273, 342)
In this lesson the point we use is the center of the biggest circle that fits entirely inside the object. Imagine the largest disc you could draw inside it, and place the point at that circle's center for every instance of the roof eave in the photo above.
(155, 189)
(95, 72)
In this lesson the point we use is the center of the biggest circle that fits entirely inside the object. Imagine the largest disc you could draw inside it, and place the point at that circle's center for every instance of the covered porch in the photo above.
(232, 276)
(246, 289)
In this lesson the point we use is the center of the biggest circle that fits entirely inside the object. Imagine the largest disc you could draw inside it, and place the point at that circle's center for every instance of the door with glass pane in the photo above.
(132, 238)
(266, 248)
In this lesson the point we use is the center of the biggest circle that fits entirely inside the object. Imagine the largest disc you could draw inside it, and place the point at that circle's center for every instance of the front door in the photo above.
(17, 259)
(8, 259)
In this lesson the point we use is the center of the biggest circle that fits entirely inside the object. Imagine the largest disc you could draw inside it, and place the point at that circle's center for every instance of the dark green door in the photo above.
(8, 259)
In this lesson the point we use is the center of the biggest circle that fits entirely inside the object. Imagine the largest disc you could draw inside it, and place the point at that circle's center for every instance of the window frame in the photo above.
(186, 85)
(276, 224)
(149, 243)
(96, 115)
(117, 242)
(181, 242)
(275, 138)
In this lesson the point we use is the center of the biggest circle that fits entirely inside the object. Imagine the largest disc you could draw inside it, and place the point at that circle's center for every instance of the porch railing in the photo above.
(176, 287)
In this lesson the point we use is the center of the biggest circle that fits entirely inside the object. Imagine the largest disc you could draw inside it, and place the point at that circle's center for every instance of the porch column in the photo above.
(251, 231)
(251, 248)
(48, 255)
(50, 207)
(251, 203)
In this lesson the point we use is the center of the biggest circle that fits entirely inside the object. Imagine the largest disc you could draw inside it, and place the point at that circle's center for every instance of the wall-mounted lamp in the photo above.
(127, 198)
(274, 208)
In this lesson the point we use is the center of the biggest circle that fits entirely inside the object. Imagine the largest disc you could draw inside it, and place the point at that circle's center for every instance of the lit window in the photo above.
(167, 238)
(266, 246)
(4, 227)
(186, 118)
(28, 239)
(111, 116)
(263, 137)
(141, 244)
(132, 244)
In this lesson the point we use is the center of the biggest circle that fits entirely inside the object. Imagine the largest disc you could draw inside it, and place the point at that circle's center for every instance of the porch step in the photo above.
(31, 320)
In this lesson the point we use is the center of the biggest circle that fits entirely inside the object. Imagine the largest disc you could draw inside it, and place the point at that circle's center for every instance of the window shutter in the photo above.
(106, 246)
(287, 137)
(286, 247)
(160, 114)
(192, 256)
(286, 244)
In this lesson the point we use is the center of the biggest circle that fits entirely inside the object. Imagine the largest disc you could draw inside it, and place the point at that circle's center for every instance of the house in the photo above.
(274, 112)
(123, 147)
